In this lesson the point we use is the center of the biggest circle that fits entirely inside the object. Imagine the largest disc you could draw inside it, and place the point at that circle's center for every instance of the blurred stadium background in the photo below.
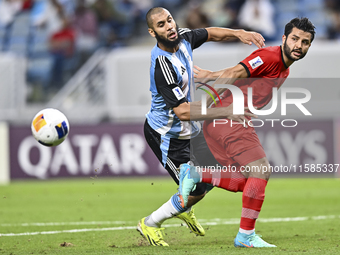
(90, 59)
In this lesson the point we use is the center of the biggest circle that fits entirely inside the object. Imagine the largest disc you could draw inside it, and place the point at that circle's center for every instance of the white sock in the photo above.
(166, 211)
(247, 232)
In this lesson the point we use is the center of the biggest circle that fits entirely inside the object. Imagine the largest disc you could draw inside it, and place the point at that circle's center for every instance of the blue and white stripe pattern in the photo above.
(173, 70)
(177, 203)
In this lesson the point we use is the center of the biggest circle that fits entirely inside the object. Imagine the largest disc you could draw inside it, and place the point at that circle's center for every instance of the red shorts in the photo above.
(233, 145)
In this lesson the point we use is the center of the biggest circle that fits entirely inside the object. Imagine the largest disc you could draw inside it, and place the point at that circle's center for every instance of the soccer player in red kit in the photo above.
(234, 145)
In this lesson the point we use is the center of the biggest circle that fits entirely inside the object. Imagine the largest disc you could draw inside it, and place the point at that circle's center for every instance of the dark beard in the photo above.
(167, 43)
(288, 52)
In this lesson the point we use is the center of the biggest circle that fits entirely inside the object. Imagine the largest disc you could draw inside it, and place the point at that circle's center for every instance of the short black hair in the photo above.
(151, 12)
(303, 24)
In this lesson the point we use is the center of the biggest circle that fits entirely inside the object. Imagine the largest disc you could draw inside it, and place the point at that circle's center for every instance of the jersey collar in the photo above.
(283, 61)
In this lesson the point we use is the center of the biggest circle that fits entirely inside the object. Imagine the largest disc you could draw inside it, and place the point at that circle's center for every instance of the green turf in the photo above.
(129, 200)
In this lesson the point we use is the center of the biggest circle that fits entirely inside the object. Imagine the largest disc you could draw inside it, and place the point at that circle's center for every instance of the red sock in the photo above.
(232, 181)
(252, 200)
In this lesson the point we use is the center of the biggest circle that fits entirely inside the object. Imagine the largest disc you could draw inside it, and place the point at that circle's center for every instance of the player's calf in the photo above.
(258, 169)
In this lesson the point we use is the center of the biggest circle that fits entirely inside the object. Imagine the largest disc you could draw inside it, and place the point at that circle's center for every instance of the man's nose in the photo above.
(298, 44)
(170, 26)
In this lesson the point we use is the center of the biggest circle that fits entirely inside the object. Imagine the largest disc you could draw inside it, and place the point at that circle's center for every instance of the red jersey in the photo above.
(268, 69)
(266, 63)
(63, 42)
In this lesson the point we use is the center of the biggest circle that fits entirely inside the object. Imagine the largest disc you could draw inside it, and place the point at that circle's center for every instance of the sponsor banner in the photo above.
(306, 149)
(4, 155)
(121, 150)
(90, 150)
(337, 143)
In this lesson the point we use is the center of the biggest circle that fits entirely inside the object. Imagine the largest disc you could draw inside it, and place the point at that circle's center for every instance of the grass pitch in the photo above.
(99, 216)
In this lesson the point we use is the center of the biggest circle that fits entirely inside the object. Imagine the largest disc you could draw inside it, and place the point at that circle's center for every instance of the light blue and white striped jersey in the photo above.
(172, 83)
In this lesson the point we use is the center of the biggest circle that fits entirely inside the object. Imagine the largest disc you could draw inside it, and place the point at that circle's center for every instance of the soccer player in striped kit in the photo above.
(170, 127)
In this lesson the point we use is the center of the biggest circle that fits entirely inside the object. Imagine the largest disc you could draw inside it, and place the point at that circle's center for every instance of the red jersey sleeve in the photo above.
(261, 63)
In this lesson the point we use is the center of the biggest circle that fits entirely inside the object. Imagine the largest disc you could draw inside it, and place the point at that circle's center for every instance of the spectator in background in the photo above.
(333, 29)
(111, 23)
(68, 7)
(132, 15)
(221, 13)
(172, 5)
(61, 45)
(235, 5)
(27, 4)
(8, 10)
(86, 28)
(258, 15)
(48, 15)
(196, 18)
(232, 9)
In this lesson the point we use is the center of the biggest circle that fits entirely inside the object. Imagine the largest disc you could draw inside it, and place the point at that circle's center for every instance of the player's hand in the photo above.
(239, 118)
(202, 75)
(251, 37)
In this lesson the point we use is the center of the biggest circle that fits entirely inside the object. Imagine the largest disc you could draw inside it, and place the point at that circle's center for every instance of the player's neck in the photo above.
(288, 62)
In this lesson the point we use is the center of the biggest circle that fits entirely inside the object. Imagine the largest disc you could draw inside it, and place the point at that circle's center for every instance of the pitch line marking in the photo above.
(211, 222)
(43, 224)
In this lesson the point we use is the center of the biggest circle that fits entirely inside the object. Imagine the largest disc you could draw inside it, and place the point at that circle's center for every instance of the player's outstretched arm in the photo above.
(231, 74)
(225, 76)
(193, 111)
(204, 76)
(224, 34)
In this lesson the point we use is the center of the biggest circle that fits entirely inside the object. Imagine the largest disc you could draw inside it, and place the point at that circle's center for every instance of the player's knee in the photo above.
(259, 169)
(260, 175)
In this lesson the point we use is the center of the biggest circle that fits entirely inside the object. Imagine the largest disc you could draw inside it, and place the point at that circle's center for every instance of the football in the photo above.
(50, 127)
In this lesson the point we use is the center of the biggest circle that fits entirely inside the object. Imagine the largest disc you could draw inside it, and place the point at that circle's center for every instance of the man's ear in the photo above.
(283, 39)
(151, 32)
